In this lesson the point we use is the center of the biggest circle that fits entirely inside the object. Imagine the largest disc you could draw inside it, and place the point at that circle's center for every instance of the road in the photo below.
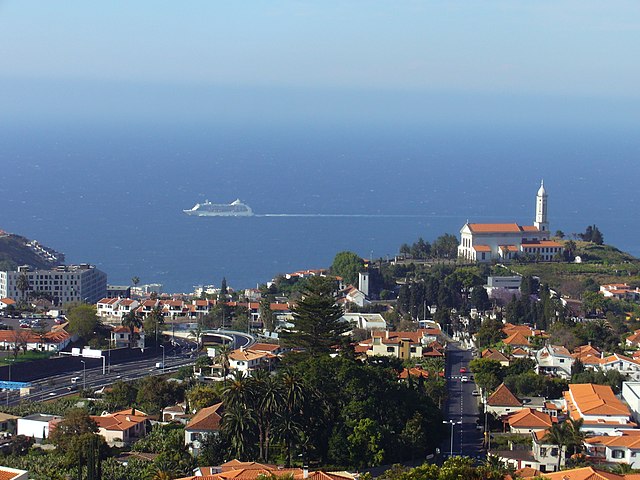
(59, 385)
(461, 406)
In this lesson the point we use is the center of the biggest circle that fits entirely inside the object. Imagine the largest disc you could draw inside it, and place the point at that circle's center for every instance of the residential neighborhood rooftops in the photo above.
(207, 418)
(503, 397)
(530, 418)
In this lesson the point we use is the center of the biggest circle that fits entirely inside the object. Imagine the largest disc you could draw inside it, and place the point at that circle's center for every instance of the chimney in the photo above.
(387, 334)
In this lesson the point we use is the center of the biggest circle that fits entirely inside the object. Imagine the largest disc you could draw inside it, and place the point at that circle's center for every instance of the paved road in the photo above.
(461, 406)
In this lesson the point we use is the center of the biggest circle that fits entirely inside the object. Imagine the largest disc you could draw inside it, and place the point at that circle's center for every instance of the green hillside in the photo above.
(602, 263)
(15, 250)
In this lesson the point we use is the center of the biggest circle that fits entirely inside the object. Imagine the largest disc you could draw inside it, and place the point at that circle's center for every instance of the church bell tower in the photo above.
(541, 221)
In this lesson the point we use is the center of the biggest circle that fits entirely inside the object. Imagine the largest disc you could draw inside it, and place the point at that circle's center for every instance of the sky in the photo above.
(581, 48)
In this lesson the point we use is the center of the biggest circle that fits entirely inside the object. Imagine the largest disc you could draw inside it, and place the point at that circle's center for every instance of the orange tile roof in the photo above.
(503, 397)
(628, 441)
(120, 421)
(493, 354)
(586, 473)
(528, 472)
(495, 227)
(415, 372)
(207, 418)
(593, 399)
(482, 248)
(530, 418)
(264, 347)
(516, 339)
(7, 473)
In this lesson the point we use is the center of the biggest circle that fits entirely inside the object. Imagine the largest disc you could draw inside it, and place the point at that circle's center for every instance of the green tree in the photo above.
(23, 284)
(365, 444)
(135, 280)
(267, 316)
(445, 246)
(316, 319)
(557, 435)
(347, 265)
(120, 395)
(201, 396)
(83, 321)
(488, 373)
(132, 321)
(153, 323)
(489, 333)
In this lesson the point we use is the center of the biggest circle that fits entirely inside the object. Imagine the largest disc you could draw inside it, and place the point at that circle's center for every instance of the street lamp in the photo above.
(162, 347)
(84, 374)
(452, 423)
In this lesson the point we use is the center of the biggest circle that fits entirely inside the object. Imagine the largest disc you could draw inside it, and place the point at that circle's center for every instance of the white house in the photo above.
(601, 411)
(623, 448)
(248, 360)
(631, 395)
(366, 321)
(37, 425)
(486, 242)
(554, 360)
(205, 422)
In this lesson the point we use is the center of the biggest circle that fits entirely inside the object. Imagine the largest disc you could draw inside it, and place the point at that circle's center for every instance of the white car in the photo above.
(464, 379)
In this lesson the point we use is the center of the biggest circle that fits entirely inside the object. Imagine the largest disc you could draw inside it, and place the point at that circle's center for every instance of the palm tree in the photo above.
(266, 392)
(223, 358)
(238, 391)
(196, 334)
(289, 431)
(575, 435)
(22, 284)
(238, 424)
(557, 435)
(132, 321)
(160, 474)
(135, 280)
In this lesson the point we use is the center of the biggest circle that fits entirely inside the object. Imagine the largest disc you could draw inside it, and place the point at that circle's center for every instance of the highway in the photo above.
(461, 407)
(60, 385)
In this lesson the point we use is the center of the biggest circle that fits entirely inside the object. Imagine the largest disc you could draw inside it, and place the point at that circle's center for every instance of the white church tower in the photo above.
(541, 221)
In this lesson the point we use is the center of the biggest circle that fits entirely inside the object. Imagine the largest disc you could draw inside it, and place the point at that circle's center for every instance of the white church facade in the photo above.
(487, 242)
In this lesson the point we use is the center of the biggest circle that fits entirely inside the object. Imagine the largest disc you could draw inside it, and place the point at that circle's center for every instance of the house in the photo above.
(271, 348)
(633, 340)
(246, 360)
(554, 360)
(355, 296)
(516, 340)
(365, 321)
(176, 413)
(205, 422)
(122, 428)
(545, 453)
(623, 448)
(528, 420)
(236, 470)
(7, 473)
(8, 423)
(402, 345)
(601, 411)
(6, 302)
(589, 473)
(38, 425)
(503, 402)
(497, 355)
(620, 291)
(121, 337)
(53, 341)
(625, 365)
(631, 395)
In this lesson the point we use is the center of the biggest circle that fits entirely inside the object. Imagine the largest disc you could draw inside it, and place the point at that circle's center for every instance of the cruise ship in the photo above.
(208, 209)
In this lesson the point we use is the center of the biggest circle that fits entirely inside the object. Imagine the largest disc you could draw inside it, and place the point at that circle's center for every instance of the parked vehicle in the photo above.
(464, 379)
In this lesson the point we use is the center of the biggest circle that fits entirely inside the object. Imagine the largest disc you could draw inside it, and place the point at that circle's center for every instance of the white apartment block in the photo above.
(67, 283)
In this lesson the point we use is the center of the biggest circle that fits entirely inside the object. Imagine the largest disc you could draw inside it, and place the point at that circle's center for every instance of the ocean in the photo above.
(112, 194)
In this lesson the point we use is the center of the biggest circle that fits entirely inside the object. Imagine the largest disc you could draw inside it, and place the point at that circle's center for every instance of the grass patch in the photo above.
(26, 357)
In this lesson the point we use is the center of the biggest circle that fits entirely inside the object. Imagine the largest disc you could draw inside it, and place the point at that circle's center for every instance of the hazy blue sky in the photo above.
(580, 47)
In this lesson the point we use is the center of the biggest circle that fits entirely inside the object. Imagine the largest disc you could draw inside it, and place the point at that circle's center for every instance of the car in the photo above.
(475, 393)
(464, 379)
(463, 370)
(25, 325)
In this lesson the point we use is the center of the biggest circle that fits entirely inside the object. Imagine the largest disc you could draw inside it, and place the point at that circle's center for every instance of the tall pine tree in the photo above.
(316, 318)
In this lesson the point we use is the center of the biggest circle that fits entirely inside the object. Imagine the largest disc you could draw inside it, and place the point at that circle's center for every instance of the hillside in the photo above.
(601, 263)
(16, 250)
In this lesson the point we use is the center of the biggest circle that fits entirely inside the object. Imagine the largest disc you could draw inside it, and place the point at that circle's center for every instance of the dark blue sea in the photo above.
(112, 193)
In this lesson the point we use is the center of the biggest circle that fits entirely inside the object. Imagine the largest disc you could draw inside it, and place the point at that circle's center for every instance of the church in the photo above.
(503, 242)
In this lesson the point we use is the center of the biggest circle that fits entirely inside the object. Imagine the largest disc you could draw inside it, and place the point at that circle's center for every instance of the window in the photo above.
(391, 349)
(412, 349)
(617, 453)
